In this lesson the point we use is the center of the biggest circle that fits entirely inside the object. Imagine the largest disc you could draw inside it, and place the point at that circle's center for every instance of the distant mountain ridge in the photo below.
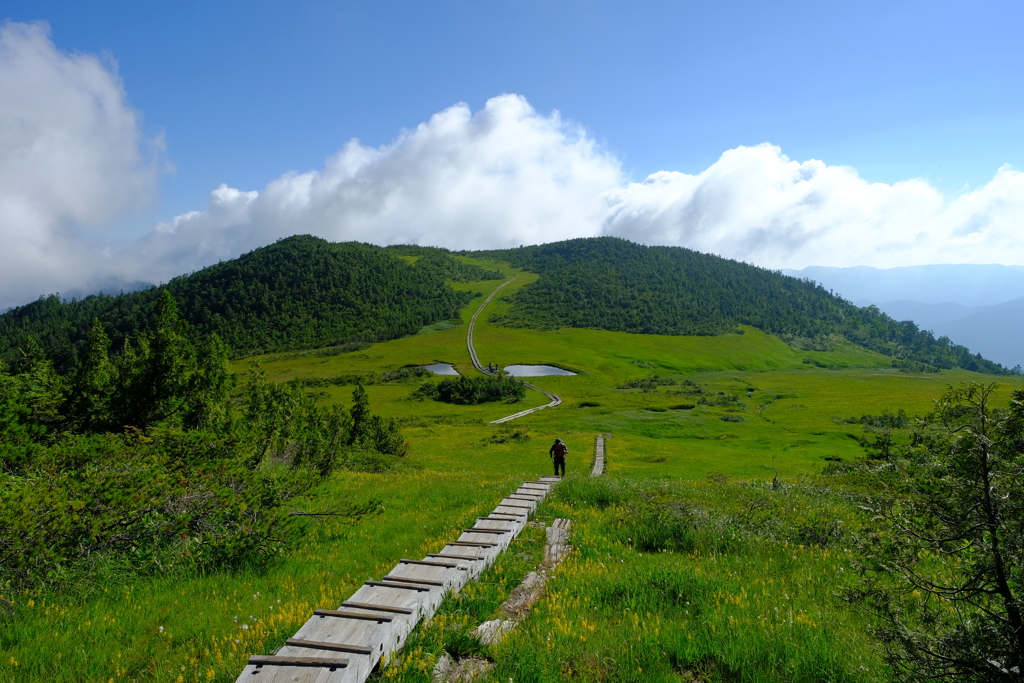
(927, 316)
(111, 286)
(613, 284)
(994, 331)
(964, 284)
(980, 306)
(299, 292)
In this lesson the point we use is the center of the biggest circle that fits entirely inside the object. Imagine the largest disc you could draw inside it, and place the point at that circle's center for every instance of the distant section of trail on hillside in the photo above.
(555, 398)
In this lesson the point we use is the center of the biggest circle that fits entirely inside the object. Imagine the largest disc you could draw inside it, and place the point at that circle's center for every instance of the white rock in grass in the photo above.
(491, 632)
(448, 670)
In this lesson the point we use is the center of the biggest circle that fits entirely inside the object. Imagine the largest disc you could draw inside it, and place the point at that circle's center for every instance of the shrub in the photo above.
(472, 390)
(166, 500)
(649, 383)
(199, 480)
(655, 526)
(599, 492)
(518, 435)
(722, 400)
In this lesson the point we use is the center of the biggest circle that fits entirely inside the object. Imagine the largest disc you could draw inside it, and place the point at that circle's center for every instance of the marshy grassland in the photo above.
(714, 548)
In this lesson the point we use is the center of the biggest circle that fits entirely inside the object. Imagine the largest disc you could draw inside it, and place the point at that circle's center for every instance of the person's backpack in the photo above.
(560, 450)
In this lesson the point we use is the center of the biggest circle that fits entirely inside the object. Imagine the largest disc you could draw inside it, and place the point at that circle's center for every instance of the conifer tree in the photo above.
(944, 571)
(360, 414)
(89, 403)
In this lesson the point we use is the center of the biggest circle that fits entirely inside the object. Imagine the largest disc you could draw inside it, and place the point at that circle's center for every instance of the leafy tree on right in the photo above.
(943, 562)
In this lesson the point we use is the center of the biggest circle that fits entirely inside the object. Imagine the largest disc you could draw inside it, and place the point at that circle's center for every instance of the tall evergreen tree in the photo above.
(360, 413)
(89, 403)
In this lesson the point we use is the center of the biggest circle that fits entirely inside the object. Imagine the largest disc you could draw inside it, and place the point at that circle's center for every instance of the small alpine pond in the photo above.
(535, 370)
(442, 369)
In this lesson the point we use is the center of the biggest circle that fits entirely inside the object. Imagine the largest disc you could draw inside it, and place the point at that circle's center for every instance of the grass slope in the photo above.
(612, 284)
(788, 405)
(205, 627)
(760, 606)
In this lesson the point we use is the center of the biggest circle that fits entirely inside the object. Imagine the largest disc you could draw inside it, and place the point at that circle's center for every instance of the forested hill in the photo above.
(612, 284)
(299, 292)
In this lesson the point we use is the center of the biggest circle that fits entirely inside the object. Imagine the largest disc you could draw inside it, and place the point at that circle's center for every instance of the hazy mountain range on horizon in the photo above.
(964, 283)
(979, 306)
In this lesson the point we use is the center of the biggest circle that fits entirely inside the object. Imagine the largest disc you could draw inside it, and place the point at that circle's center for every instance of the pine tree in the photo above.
(89, 403)
(360, 415)
(944, 573)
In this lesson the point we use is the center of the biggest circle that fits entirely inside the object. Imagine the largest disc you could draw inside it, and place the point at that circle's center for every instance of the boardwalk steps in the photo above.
(511, 612)
(344, 645)
(599, 455)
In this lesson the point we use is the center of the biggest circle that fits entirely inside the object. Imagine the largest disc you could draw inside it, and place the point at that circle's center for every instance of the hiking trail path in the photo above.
(346, 645)
(598, 469)
(555, 398)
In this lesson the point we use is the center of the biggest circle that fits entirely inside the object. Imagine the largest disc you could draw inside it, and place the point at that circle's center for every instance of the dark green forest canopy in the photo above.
(613, 284)
(441, 260)
(297, 293)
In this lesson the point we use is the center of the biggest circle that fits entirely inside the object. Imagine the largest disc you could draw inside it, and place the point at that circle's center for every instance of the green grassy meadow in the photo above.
(747, 600)
(788, 407)
(646, 598)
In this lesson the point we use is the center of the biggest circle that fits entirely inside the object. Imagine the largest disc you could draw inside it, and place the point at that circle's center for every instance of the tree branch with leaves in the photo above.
(943, 562)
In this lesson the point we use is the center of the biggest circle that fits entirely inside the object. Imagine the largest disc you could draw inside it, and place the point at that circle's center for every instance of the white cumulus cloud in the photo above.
(508, 175)
(500, 177)
(72, 160)
(757, 205)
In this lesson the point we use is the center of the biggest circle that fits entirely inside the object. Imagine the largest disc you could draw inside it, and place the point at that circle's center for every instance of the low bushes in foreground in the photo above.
(145, 461)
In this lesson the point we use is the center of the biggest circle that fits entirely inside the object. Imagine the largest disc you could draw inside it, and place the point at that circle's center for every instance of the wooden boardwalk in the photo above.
(554, 398)
(472, 326)
(555, 401)
(345, 644)
(599, 455)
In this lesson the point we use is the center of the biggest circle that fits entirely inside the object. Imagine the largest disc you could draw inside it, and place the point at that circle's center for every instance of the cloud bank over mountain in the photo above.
(501, 177)
(73, 161)
(507, 175)
(757, 205)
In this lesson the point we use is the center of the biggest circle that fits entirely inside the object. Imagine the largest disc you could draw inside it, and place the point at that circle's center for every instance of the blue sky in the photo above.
(247, 90)
(242, 93)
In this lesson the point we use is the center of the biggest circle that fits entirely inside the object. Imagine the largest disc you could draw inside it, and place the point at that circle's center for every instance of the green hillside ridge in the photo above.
(304, 292)
(612, 284)
(297, 293)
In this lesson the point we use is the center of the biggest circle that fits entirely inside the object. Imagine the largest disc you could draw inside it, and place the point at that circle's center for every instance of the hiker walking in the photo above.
(557, 453)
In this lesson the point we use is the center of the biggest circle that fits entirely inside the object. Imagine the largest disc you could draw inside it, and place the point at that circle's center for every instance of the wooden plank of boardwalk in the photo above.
(599, 455)
(344, 645)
